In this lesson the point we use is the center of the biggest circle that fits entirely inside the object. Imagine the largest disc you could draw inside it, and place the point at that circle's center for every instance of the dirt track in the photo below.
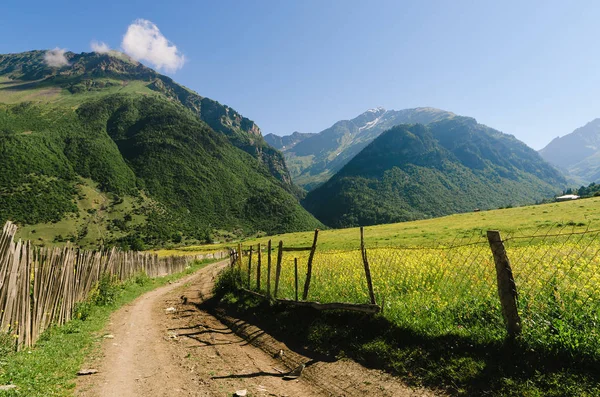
(189, 352)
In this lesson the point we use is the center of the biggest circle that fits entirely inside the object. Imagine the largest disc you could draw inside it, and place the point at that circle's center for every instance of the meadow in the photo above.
(437, 277)
(452, 291)
(526, 220)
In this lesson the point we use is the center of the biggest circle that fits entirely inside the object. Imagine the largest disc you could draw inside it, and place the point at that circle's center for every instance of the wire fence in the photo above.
(454, 289)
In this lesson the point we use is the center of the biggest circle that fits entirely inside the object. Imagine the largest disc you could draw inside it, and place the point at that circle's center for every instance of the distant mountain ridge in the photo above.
(287, 142)
(577, 153)
(413, 171)
(315, 159)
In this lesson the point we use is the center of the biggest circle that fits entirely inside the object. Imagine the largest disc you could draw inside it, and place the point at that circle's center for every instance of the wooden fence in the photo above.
(40, 287)
(507, 291)
(246, 285)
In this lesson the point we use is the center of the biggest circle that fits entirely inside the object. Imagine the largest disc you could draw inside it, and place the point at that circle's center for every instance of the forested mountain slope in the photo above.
(92, 157)
(414, 171)
(26, 76)
(315, 159)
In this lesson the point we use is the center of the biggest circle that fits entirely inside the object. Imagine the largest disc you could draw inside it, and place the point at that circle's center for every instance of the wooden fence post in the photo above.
(507, 289)
(363, 251)
(258, 269)
(278, 268)
(269, 269)
(250, 268)
(296, 276)
(238, 277)
(309, 266)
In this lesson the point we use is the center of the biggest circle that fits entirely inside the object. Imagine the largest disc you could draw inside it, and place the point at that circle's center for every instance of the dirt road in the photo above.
(152, 350)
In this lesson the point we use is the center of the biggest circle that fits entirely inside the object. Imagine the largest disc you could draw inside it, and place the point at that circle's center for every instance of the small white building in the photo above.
(567, 197)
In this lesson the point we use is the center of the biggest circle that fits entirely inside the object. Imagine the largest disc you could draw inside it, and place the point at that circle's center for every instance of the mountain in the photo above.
(315, 159)
(107, 151)
(287, 142)
(414, 171)
(26, 76)
(578, 153)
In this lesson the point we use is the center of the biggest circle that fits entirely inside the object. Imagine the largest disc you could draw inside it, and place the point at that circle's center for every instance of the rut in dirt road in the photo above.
(189, 352)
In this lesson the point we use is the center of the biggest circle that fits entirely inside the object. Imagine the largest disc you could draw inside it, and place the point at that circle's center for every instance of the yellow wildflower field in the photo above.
(452, 290)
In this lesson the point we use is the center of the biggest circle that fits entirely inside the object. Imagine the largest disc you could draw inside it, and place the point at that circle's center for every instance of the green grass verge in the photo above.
(458, 365)
(50, 368)
(576, 215)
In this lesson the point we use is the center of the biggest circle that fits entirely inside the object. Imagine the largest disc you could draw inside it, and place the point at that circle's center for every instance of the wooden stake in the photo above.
(250, 268)
(269, 269)
(309, 266)
(278, 268)
(258, 269)
(363, 250)
(296, 276)
(507, 289)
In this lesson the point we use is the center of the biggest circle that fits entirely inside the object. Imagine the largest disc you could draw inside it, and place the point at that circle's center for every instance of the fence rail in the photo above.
(40, 287)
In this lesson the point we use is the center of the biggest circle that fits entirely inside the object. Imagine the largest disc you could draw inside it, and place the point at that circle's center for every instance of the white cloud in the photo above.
(144, 42)
(100, 47)
(56, 58)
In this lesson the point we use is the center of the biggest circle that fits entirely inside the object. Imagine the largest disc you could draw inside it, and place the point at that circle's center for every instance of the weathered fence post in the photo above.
(278, 268)
(309, 266)
(232, 257)
(269, 269)
(507, 289)
(296, 276)
(250, 268)
(258, 268)
(238, 277)
(363, 251)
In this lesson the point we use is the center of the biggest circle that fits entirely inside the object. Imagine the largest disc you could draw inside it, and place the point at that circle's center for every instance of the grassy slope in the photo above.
(93, 223)
(129, 144)
(93, 75)
(11, 94)
(577, 214)
(50, 368)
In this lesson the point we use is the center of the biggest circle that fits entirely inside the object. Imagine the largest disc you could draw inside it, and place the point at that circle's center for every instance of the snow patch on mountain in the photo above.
(373, 123)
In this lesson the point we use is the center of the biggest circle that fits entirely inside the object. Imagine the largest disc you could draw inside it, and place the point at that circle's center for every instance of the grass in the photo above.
(91, 225)
(452, 363)
(442, 323)
(47, 93)
(577, 214)
(441, 292)
(50, 368)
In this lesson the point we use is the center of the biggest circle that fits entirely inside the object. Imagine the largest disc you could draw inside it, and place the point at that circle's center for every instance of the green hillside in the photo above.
(314, 159)
(26, 77)
(414, 172)
(120, 163)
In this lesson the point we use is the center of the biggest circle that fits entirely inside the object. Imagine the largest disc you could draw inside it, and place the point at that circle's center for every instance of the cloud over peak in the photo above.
(56, 58)
(143, 41)
(100, 47)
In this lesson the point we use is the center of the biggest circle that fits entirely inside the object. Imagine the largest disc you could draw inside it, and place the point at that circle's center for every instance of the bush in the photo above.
(227, 281)
(108, 290)
(142, 279)
(83, 309)
(7, 344)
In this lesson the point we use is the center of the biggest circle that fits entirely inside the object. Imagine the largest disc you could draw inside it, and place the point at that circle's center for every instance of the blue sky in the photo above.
(531, 69)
